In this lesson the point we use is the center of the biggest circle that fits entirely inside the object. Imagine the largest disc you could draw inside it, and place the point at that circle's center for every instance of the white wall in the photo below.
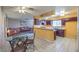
(4, 45)
(27, 23)
(13, 23)
(2, 20)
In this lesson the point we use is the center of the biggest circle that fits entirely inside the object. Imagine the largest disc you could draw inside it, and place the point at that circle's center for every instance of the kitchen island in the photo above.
(47, 34)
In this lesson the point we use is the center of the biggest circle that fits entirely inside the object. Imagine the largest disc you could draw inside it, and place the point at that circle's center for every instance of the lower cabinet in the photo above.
(71, 29)
(60, 33)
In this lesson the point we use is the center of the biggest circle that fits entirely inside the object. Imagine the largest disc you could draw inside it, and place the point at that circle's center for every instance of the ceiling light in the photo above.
(67, 12)
(62, 11)
(54, 15)
(62, 14)
(21, 10)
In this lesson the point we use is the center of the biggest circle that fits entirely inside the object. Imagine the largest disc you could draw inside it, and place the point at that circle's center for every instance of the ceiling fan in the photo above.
(23, 9)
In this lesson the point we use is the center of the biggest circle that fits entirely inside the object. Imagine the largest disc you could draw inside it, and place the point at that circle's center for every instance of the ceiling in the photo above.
(12, 11)
(34, 10)
(30, 11)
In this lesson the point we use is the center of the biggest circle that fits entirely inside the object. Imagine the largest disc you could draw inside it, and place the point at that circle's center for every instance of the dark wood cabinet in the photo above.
(60, 33)
(48, 22)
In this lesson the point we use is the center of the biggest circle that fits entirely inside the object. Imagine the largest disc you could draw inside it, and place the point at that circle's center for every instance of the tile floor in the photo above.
(61, 44)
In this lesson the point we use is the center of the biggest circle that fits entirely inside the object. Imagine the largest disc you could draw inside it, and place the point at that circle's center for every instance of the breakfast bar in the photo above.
(45, 33)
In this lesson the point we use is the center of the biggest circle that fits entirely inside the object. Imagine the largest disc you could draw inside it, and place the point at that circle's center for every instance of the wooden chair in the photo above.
(18, 45)
(30, 41)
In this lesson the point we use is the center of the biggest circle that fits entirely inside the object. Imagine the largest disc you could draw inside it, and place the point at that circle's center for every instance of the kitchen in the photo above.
(54, 27)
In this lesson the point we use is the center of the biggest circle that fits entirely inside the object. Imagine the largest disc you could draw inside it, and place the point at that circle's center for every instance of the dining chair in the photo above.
(18, 44)
(30, 42)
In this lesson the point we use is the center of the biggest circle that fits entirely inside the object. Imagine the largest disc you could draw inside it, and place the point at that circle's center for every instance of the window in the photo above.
(56, 23)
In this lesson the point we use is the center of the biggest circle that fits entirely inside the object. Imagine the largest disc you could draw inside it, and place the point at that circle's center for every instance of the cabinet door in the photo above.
(71, 29)
(60, 33)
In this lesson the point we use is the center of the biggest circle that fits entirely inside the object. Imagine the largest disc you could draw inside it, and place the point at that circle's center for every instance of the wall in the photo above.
(13, 23)
(27, 23)
(78, 31)
(4, 45)
(2, 19)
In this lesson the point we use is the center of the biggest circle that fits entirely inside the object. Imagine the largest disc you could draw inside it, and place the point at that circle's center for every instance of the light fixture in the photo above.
(22, 9)
(60, 13)
(54, 15)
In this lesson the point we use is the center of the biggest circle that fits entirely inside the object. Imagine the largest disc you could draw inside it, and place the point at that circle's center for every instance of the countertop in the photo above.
(49, 27)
